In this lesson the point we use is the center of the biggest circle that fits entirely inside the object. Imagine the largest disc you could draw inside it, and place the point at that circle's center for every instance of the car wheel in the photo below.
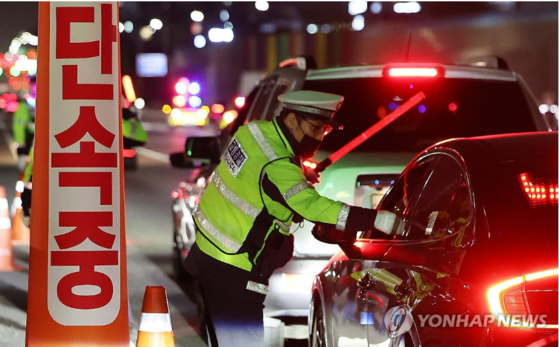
(318, 333)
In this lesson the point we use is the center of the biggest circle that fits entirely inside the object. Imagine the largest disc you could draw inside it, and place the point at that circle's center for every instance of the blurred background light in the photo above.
(179, 101)
(553, 108)
(224, 15)
(14, 71)
(326, 28)
(220, 35)
(199, 41)
(156, 24)
(166, 109)
(262, 5)
(312, 29)
(356, 7)
(228, 25)
(146, 33)
(218, 108)
(358, 23)
(128, 27)
(196, 16)
(240, 101)
(181, 86)
(544, 108)
(376, 7)
(194, 88)
(407, 7)
(140, 103)
(194, 101)
(120, 27)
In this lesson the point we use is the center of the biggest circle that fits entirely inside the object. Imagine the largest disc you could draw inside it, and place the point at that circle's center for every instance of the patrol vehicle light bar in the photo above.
(378, 126)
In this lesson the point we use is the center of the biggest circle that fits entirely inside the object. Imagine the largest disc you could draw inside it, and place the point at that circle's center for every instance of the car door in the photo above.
(365, 287)
(427, 250)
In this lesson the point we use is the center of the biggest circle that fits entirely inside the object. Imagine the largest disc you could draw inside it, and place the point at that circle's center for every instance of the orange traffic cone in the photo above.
(6, 252)
(155, 324)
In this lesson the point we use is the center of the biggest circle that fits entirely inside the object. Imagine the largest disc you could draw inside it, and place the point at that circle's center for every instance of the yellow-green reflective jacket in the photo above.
(134, 130)
(22, 123)
(256, 187)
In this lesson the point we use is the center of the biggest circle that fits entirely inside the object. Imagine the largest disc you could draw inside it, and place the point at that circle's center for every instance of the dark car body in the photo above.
(475, 243)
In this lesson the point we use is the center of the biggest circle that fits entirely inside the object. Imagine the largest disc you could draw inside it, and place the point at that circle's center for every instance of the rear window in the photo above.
(452, 108)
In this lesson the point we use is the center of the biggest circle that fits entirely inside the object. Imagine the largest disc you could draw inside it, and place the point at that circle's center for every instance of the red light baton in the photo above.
(364, 136)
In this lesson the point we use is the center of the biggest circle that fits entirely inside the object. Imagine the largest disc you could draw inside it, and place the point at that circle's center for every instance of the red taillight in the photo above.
(412, 72)
(128, 153)
(539, 191)
(506, 299)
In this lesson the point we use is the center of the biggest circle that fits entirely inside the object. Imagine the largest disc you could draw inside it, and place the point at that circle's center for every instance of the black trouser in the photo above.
(233, 315)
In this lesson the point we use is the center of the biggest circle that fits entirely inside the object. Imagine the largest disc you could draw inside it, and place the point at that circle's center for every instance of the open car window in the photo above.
(403, 195)
(443, 207)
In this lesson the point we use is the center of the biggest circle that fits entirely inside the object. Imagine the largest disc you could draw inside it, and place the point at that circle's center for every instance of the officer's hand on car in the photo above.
(312, 176)
(384, 222)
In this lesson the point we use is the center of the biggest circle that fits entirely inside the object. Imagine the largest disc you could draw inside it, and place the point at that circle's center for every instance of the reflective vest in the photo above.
(23, 123)
(134, 130)
(257, 187)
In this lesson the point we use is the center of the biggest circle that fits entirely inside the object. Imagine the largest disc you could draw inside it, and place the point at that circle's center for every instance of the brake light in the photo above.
(412, 72)
(539, 191)
(310, 164)
(506, 299)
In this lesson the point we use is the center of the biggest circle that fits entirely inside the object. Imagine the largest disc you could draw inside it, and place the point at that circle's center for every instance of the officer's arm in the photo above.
(301, 197)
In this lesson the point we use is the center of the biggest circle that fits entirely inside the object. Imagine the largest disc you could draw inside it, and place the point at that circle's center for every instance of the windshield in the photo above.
(452, 108)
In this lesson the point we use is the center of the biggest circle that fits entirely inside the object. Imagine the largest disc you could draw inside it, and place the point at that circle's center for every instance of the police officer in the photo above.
(245, 212)
(23, 129)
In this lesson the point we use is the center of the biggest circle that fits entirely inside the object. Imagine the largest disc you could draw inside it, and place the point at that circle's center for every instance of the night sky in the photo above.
(16, 17)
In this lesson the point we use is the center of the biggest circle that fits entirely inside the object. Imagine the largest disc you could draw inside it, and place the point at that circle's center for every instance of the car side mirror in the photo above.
(180, 160)
(203, 149)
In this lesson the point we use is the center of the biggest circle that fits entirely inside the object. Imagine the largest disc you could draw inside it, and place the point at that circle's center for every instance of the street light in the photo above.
(199, 41)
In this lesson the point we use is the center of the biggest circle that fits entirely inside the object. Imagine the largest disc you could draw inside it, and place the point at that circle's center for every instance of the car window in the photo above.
(281, 88)
(403, 195)
(452, 108)
(263, 100)
(431, 216)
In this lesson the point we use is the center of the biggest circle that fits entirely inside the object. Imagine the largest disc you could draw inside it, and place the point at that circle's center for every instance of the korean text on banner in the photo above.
(77, 280)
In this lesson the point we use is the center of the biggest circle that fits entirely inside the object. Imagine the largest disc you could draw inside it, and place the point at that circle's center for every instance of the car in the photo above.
(460, 101)
(472, 259)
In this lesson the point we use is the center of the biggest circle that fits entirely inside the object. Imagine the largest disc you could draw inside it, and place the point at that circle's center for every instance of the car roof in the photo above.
(451, 71)
(504, 148)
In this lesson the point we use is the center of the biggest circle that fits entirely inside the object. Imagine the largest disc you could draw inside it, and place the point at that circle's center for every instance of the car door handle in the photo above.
(367, 282)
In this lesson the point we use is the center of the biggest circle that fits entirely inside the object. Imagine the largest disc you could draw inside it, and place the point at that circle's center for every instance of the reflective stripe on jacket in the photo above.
(256, 187)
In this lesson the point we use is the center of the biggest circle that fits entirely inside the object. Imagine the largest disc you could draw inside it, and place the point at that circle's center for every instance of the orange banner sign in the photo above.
(77, 268)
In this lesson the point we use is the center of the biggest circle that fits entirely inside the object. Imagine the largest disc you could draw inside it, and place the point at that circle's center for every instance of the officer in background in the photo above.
(245, 213)
(23, 129)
